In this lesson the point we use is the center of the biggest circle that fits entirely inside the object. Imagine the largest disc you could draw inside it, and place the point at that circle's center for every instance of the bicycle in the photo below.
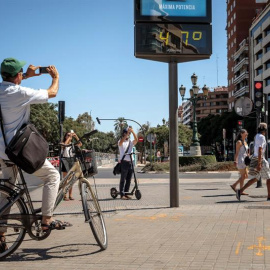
(18, 216)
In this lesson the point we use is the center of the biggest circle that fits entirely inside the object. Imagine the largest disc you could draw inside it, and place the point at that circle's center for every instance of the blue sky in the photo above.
(91, 42)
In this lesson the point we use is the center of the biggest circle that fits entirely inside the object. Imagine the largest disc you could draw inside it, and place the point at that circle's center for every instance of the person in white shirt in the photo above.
(259, 166)
(126, 166)
(15, 103)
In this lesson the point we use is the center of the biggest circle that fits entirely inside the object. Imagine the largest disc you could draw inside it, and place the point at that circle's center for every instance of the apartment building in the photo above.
(240, 14)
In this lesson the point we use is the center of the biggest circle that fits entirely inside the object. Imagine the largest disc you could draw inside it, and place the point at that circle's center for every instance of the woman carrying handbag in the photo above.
(239, 159)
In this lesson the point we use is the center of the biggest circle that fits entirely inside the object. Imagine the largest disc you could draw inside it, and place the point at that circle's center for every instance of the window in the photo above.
(259, 55)
(267, 81)
(258, 39)
(267, 65)
(267, 48)
(234, 16)
(267, 32)
(234, 28)
(259, 71)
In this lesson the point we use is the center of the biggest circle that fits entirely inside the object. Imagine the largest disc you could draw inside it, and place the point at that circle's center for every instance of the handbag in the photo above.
(247, 159)
(27, 149)
(117, 167)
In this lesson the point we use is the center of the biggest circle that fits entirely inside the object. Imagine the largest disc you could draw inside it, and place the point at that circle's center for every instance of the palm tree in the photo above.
(119, 125)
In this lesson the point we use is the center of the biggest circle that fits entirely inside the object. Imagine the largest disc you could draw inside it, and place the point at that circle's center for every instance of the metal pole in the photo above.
(173, 116)
(60, 150)
(258, 120)
(266, 121)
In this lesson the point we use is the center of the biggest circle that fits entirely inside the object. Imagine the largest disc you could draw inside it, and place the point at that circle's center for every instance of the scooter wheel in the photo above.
(138, 194)
(114, 192)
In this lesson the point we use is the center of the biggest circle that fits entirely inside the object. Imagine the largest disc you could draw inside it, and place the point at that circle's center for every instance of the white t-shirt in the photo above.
(15, 103)
(260, 141)
(123, 148)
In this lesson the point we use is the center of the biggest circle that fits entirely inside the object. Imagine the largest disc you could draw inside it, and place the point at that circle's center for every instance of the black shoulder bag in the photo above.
(117, 167)
(247, 159)
(27, 149)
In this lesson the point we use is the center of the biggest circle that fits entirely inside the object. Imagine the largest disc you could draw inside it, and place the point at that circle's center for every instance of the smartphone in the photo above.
(71, 131)
(43, 70)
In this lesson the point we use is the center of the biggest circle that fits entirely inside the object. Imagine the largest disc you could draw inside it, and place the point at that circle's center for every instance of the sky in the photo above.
(91, 43)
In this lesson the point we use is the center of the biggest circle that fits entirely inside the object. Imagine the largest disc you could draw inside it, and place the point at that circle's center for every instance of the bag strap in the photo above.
(244, 145)
(125, 151)
(2, 127)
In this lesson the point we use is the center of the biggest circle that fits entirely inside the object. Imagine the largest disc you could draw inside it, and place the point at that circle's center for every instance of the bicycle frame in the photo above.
(75, 173)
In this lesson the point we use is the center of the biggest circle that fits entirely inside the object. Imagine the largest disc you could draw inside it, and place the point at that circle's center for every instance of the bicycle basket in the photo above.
(90, 162)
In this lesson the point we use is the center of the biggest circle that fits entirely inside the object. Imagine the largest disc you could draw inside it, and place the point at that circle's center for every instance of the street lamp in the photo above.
(195, 149)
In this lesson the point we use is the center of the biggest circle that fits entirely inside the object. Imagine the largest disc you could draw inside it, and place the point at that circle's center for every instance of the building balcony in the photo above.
(241, 77)
(266, 74)
(241, 92)
(266, 57)
(258, 63)
(266, 40)
(266, 23)
(257, 32)
(243, 62)
(243, 48)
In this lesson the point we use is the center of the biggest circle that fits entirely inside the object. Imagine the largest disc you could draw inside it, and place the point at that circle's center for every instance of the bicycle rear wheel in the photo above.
(13, 229)
(93, 215)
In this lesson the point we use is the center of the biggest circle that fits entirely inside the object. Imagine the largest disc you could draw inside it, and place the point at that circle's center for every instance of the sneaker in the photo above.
(128, 197)
(238, 194)
(124, 198)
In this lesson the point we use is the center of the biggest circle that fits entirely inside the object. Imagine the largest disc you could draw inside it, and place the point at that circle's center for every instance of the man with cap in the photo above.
(126, 168)
(15, 103)
(259, 166)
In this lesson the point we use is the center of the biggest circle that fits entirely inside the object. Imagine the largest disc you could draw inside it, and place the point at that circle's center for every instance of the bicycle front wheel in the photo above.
(10, 224)
(93, 214)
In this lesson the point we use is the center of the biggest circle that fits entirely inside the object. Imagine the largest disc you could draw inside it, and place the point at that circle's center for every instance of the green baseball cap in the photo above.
(12, 66)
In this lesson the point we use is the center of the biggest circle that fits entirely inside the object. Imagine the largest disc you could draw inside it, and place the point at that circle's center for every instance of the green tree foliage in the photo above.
(103, 142)
(45, 118)
(86, 120)
(211, 127)
(119, 125)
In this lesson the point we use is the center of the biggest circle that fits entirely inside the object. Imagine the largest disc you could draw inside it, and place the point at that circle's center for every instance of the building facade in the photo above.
(260, 51)
(240, 14)
(216, 103)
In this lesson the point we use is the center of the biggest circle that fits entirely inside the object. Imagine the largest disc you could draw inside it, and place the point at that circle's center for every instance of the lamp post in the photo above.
(195, 149)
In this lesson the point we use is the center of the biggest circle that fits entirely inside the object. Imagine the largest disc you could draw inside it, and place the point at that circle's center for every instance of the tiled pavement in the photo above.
(210, 230)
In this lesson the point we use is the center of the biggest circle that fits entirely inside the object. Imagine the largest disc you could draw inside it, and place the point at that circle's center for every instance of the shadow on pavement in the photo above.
(61, 252)
(221, 195)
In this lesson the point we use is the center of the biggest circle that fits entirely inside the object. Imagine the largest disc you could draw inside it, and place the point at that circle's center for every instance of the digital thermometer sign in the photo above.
(173, 39)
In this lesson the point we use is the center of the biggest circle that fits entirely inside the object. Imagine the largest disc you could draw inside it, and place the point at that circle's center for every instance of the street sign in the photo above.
(140, 139)
(151, 137)
(171, 11)
(243, 106)
(180, 150)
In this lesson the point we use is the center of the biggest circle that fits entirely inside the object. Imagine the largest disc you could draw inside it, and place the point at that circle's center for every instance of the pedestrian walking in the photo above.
(259, 166)
(239, 159)
(158, 156)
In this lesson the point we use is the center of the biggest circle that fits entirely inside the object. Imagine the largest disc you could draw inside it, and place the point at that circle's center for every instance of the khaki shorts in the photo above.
(264, 173)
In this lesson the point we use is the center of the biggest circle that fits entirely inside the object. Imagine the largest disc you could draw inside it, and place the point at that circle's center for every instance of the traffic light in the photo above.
(239, 124)
(258, 95)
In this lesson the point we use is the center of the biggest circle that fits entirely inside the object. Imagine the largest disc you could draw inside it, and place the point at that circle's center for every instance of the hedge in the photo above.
(202, 160)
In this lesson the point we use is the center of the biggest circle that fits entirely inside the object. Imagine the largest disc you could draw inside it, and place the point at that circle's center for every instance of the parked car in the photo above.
(54, 161)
